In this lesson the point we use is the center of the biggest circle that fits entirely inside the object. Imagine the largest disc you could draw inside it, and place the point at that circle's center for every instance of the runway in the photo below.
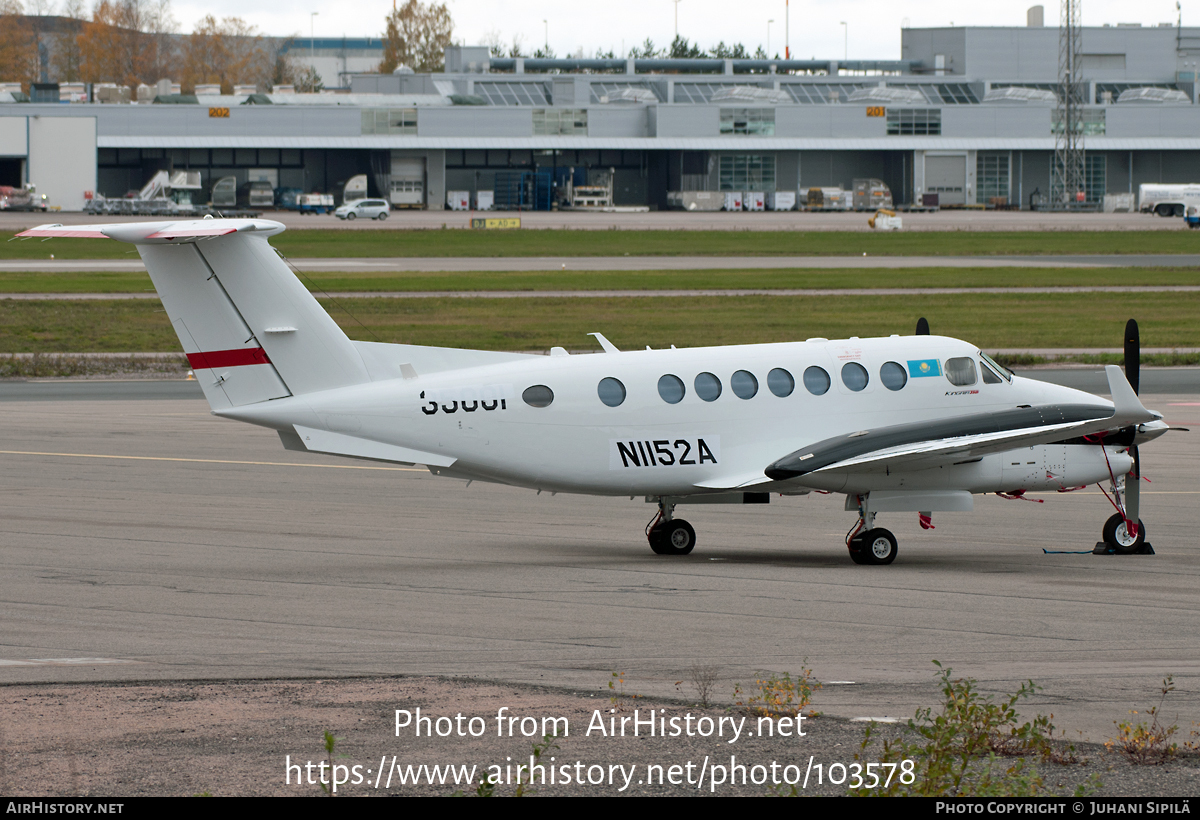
(145, 539)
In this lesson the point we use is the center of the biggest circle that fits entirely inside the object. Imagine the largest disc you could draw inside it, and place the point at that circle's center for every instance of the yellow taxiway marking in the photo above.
(215, 461)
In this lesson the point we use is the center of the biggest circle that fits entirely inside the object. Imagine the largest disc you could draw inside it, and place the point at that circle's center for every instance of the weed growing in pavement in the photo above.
(548, 742)
(779, 695)
(1147, 744)
(957, 751)
(617, 684)
(703, 677)
(1193, 745)
(487, 788)
(330, 745)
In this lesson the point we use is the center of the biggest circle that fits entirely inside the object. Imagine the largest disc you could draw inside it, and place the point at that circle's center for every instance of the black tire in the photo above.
(1164, 209)
(856, 555)
(352, 215)
(1117, 537)
(382, 216)
(878, 546)
(675, 537)
(657, 542)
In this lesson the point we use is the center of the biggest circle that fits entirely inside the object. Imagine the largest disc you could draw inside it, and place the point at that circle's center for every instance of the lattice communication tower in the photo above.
(1068, 189)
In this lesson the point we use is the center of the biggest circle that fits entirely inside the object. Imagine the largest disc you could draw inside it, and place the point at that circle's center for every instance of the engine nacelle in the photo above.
(1056, 466)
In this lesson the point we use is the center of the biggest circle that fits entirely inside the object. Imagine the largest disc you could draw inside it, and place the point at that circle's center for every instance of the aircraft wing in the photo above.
(964, 438)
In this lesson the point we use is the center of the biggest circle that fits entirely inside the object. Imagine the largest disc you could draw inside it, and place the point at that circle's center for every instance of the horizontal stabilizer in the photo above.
(154, 233)
(339, 444)
(58, 229)
(184, 231)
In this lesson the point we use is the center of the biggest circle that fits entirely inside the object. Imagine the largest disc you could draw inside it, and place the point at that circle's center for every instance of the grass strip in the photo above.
(994, 321)
(359, 281)
(82, 366)
(445, 243)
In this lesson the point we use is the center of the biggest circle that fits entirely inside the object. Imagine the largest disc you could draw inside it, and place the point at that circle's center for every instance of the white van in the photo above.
(366, 208)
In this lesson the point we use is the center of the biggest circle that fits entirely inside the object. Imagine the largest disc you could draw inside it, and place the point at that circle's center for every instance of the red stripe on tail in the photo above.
(227, 358)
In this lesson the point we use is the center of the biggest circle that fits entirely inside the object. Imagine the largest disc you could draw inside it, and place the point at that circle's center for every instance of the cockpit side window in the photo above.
(961, 371)
(989, 377)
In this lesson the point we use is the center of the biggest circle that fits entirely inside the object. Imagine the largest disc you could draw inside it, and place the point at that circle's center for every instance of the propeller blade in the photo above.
(1133, 488)
(1133, 354)
(923, 327)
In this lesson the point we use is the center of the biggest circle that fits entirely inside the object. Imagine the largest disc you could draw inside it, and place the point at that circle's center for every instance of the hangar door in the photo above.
(408, 182)
(947, 177)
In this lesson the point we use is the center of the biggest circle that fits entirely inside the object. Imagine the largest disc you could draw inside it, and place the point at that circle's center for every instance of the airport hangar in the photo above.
(967, 113)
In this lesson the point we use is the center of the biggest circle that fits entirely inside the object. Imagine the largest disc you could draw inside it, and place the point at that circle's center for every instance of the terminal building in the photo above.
(966, 113)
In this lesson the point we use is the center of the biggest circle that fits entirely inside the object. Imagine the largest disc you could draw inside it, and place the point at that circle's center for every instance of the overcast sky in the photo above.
(815, 30)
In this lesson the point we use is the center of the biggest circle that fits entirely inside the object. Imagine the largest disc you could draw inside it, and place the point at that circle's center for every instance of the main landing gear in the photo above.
(867, 543)
(670, 536)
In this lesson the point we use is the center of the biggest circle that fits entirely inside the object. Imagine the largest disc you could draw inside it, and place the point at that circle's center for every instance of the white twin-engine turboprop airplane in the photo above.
(902, 424)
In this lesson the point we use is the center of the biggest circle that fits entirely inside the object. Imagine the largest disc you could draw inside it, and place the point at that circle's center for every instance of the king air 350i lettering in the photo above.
(468, 399)
(663, 452)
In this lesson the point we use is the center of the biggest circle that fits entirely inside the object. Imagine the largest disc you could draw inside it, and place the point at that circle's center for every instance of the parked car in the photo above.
(369, 208)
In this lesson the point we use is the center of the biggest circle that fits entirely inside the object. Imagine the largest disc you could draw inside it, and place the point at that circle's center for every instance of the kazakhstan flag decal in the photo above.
(923, 367)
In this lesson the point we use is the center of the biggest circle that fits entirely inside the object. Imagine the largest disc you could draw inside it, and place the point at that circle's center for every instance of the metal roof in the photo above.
(740, 145)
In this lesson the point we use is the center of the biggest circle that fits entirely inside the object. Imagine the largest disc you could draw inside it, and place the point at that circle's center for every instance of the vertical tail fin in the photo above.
(234, 293)
(251, 331)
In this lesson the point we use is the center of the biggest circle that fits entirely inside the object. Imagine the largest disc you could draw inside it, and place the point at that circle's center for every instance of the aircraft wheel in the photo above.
(878, 546)
(856, 555)
(655, 537)
(675, 537)
(1117, 536)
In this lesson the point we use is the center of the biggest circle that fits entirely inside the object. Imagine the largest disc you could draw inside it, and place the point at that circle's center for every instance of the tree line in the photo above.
(679, 49)
(137, 41)
(128, 42)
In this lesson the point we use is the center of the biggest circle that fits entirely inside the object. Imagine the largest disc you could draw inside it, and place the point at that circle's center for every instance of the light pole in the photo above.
(846, 53)
(547, 43)
(312, 23)
(676, 2)
(787, 19)
(769, 22)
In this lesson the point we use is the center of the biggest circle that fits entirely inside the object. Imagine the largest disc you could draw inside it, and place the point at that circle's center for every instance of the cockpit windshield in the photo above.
(1003, 371)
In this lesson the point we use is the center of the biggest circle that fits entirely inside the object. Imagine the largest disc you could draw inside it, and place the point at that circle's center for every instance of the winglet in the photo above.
(1127, 408)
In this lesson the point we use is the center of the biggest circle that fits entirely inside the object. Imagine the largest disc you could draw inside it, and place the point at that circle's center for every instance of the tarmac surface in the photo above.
(947, 220)
(148, 540)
